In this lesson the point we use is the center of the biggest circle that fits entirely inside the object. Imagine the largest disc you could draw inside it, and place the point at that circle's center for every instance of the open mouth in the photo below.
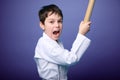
(56, 32)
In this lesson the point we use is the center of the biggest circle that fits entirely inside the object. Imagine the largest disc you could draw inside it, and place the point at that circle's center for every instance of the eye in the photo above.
(60, 21)
(51, 22)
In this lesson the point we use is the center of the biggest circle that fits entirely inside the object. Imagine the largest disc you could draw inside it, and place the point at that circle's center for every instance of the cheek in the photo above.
(61, 27)
(49, 30)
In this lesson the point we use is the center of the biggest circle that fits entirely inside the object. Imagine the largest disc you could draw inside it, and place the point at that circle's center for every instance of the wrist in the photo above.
(82, 33)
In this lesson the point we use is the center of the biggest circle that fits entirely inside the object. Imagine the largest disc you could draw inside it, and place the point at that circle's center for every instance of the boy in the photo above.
(51, 58)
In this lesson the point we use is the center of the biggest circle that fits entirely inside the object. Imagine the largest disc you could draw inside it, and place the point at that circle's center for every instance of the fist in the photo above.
(84, 27)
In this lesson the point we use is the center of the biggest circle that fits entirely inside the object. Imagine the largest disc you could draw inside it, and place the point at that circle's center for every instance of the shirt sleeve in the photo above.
(80, 45)
(52, 52)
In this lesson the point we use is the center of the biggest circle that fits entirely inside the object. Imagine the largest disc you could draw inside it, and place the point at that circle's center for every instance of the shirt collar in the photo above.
(47, 37)
(56, 42)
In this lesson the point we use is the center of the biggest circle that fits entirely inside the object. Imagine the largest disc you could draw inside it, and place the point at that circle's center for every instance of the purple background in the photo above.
(19, 32)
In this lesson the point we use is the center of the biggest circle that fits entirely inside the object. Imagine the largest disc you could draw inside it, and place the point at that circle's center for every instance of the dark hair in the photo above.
(43, 13)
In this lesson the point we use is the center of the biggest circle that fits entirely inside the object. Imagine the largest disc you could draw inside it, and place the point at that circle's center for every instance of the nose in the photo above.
(57, 24)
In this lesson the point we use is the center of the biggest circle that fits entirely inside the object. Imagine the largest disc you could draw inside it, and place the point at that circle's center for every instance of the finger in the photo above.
(88, 23)
(82, 22)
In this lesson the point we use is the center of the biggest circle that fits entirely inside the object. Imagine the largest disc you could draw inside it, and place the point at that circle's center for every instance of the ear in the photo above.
(42, 26)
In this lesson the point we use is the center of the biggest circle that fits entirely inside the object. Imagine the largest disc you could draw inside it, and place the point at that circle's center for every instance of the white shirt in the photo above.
(53, 60)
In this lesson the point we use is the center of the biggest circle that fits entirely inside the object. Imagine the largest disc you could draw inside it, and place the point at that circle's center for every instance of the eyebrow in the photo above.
(55, 19)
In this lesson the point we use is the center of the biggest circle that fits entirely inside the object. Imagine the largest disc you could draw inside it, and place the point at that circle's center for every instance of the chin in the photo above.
(55, 38)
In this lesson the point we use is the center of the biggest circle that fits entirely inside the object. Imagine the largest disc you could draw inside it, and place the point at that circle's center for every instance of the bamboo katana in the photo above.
(89, 10)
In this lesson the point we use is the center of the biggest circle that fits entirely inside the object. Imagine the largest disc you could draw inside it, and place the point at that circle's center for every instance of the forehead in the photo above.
(53, 16)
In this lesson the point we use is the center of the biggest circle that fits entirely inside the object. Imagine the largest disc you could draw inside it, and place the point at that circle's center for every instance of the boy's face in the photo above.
(52, 26)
